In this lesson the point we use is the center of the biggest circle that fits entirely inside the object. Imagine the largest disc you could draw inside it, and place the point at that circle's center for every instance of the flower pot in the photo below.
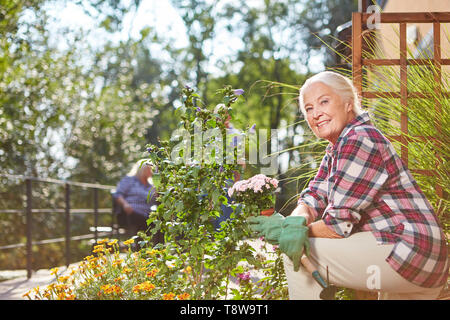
(267, 212)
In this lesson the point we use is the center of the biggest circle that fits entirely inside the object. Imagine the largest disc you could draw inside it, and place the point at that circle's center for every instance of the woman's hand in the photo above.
(125, 205)
(319, 229)
(127, 208)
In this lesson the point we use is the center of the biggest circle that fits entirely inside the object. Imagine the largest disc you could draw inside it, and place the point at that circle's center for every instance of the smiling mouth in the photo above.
(322, 123)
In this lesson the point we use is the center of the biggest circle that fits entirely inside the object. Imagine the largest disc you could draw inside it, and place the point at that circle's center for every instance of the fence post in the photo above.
(113, 211)
(96, 214)
(67, 222)
(29, 226)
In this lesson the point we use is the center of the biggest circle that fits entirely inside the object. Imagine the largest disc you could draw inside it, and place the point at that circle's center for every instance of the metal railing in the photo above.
(67, 210)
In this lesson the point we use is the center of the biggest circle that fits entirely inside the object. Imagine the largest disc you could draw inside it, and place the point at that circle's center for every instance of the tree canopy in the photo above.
(83, 110)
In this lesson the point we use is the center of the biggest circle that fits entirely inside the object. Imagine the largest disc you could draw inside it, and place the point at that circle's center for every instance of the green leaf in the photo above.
(156, 178)
(211, 123)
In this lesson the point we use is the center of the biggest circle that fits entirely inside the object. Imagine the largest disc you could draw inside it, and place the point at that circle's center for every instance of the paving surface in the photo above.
(15, 288)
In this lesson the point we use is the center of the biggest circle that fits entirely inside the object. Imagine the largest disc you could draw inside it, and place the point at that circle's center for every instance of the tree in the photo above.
(199, 18)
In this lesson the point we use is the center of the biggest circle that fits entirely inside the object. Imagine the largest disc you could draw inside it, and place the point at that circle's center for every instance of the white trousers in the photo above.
(355, 262)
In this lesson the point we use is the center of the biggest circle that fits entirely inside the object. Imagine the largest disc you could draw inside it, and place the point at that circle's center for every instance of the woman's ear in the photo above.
(349, 105)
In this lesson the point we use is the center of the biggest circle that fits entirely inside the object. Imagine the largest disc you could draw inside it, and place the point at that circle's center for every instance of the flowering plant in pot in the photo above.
(256, 194)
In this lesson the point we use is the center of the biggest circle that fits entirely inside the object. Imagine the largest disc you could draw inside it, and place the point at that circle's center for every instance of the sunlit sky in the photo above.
(164, 18)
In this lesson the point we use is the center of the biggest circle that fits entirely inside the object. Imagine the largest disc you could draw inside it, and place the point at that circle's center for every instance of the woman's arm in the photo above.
(302, 210)
(125, 205)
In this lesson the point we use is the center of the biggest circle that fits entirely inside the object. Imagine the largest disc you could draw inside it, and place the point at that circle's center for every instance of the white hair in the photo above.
(338, 83)
(138, 167)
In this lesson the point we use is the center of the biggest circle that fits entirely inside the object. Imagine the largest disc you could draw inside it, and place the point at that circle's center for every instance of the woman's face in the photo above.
(326, 112)
(147, 172)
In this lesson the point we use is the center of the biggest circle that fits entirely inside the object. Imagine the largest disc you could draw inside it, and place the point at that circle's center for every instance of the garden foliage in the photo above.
(196, 260)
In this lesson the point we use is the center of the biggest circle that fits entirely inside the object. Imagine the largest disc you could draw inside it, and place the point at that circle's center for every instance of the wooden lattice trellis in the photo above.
(359, 20)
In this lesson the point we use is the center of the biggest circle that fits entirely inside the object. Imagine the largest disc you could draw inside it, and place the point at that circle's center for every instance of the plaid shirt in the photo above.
(136, 193)
(363, 185)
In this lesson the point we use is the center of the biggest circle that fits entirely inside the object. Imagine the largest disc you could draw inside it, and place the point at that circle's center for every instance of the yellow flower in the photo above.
(107, 288)
(117, 262)
(129, 241)
(54, 271)
(63, 279)
(98, 248)
(152, 252)
(112, 242)
(188, 269)
(103, 241)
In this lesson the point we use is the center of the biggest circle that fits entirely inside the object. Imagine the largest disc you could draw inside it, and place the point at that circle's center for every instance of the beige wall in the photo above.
(388, 33)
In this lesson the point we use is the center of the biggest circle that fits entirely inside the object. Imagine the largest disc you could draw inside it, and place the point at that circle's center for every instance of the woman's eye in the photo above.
(308, 109)
(324, 101)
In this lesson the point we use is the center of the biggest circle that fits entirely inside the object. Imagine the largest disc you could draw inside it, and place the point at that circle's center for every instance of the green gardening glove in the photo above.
(268, 227)
(294, 239)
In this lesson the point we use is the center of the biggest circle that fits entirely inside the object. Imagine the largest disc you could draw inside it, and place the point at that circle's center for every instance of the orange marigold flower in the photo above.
(27, 294)
(99, 275)
(152, 273)
(111, 289)
(168, 296)
(144, 286)
(117, 289)
(183, 296)
(126, 270)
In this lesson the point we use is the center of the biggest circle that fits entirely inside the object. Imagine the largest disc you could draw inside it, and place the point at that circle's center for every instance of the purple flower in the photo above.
(238, 92)
(244, 277)
(198, 109)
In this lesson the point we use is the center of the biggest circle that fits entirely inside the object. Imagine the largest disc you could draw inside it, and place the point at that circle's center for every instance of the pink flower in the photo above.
(255, 183)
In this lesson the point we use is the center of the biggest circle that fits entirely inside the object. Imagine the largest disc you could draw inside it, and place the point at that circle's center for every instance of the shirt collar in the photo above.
(357, 121)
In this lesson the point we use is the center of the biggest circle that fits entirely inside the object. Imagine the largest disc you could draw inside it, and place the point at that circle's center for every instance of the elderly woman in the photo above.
(366, 218)
(136, 195)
